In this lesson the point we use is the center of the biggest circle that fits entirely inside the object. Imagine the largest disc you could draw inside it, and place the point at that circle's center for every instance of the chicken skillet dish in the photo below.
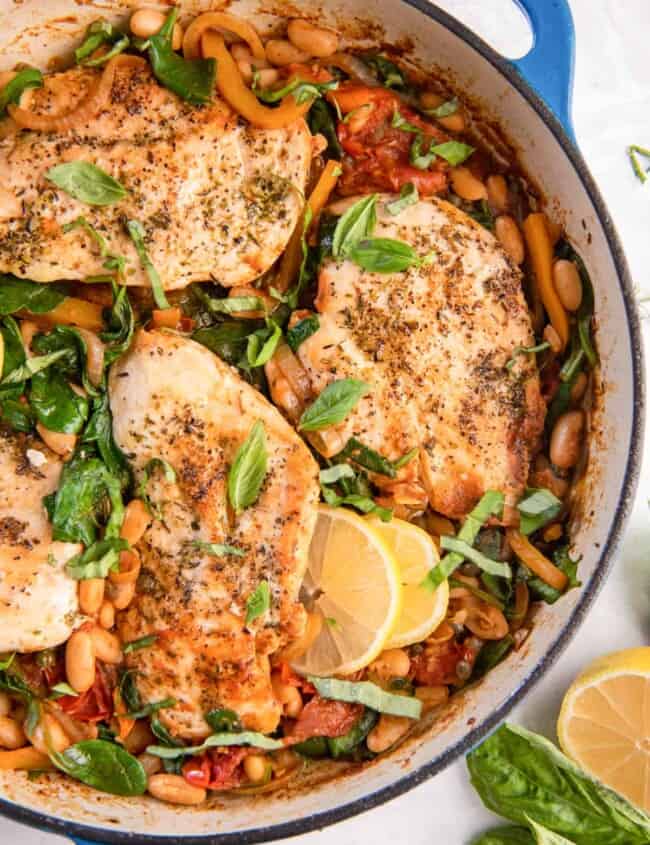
(294, 378)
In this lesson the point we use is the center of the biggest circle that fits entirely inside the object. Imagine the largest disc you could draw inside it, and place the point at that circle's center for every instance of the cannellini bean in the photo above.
(566, 439)
(136, 521)
(242, 53)
(121, 595)
(151, 764)
(256, 767)
(497, 191)
(267, 77)
(466, 185)
(392, 663)
(107, 614)
(510, 238)
(387, 731)
(568, 286)
(147, 22)
(453, 122)
(553, 338)
(175, 790)
(281, 53)
(11, 733)
(579, 388)
(5, 704)
(246, 70)
(91, 595)
(49, 734)
(432, 696)
(313, 40)
(59, 443)
(288, 696)
(107, 646)
(80, 661)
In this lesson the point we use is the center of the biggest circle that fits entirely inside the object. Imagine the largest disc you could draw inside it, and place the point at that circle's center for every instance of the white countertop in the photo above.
(612, 110)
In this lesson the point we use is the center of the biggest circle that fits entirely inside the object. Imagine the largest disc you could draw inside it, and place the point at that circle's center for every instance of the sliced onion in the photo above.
(293, 371)
(95, 359)
(221, 21)
(92, 103)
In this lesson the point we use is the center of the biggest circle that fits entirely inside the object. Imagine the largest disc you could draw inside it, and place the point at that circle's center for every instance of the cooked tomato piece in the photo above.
(94, 705)
(216, 769)
(438, 665)
(288, 676)
(377, 152)
(324, 717)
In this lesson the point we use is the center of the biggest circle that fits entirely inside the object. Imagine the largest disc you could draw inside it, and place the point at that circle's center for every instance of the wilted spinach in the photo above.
(103, 765)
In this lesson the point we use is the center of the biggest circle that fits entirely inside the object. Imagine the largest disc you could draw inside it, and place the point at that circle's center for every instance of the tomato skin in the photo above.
(325, 717)
(216, 770)
(94, 705)
(439, 666)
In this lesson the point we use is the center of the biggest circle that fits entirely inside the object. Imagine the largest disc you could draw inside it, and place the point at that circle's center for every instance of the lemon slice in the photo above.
(352, 580)
(415, 553)
(604, 723)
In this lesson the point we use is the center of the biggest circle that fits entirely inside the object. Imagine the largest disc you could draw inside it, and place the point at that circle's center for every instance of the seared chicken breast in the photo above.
(432, 343)
(38, 600)
(217, 198)
(173, 399)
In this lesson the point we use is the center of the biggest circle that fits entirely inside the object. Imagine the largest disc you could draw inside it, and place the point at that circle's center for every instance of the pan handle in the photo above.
(549, 66)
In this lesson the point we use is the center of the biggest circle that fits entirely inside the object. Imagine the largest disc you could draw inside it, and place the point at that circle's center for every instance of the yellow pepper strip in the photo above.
(27, 758)
(535, 560)
(237, 94)
(292, 256)
(73, 312)
(224, 21)
(541, 254)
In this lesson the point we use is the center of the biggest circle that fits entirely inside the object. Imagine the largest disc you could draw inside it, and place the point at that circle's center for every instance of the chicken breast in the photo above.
(432, 342)
(38, 601)
(171, 398)
(217, 199)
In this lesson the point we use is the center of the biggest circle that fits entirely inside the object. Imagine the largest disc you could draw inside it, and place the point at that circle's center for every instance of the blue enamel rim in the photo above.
(83, 834)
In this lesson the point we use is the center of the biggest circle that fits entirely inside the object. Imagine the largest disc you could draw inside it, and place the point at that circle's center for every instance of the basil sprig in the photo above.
(408, 196)
(86, 182)
(333, 404)
(365, 692)
(137, 233)
(258, 602)
(28, 77)
(248, 470)
(97, 560)
(103, 765)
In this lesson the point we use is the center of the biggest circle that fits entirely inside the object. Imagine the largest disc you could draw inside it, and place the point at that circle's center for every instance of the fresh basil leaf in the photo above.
(97, 560)
(150, 709)
(59, 690)
(490, 504)
(99, 432)
(444, 109)
(544, 836)
(494, 567)
(563, 560)
(86, 182)
(248, 470)
(21, 294)
(384, 255)
(524, 778)
(342, 746)
(408, 196)
(142, 642)
(218, 549)
(99, 32)
(191, 79)
(122, 43)
(137, 233)
(526, 350)
(31, 366)
(228, 340)
(112, 262)
(86, 489)
(120, 325)
(365, 457)
(55, 404)
(453, 152)
(258, 602)
(28, 77)
(223, 721)
(536, 509)
(262, 344)
(336, 473)
(103, 765)
(357, 223)
(169, 474)
(129, 690)
(302, 330)
(234, 304)
(301, 90)
(322, 120)
(333, 404)
(257, 740)
(387, 72)
(365, 692)
(509, 835)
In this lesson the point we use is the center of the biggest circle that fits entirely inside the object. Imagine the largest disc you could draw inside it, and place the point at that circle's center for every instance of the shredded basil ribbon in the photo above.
(217, 740)
(453, 544)
(365, 692)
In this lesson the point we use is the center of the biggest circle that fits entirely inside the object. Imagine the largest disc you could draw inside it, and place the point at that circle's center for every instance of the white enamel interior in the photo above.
(33, 31)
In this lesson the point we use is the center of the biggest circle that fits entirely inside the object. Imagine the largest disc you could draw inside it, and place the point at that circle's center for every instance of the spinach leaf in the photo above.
(536, 509)
(490, 504)
(544, 836)
(120, 325)
(74, 343)
(218, 549)
(387, 72)
(161, 733)
(14, 357)
(99, 32)
(302, 330)
(385, 255)
(86, 182)
(223, 720)
(315, 747)
(191, 79)
(509, 835)
(28, 77)
(87, 490)
(417, 155)
(492, 653)
(142, 642)
(62, 689)
(357, 223)
(18, 294)
(365, 692)
(99, 432)
(102, 765)
(322, 119)
(563, 560)
(17, 415)
(248, 470)
(333, 404)
(524, 778)
(342, 746)
(228, 340)
(444, 109)
(408, 196)
(129, 690)
(137, 233)
(97, 560)
(55, 404)
(30, 367)
(258, 602)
